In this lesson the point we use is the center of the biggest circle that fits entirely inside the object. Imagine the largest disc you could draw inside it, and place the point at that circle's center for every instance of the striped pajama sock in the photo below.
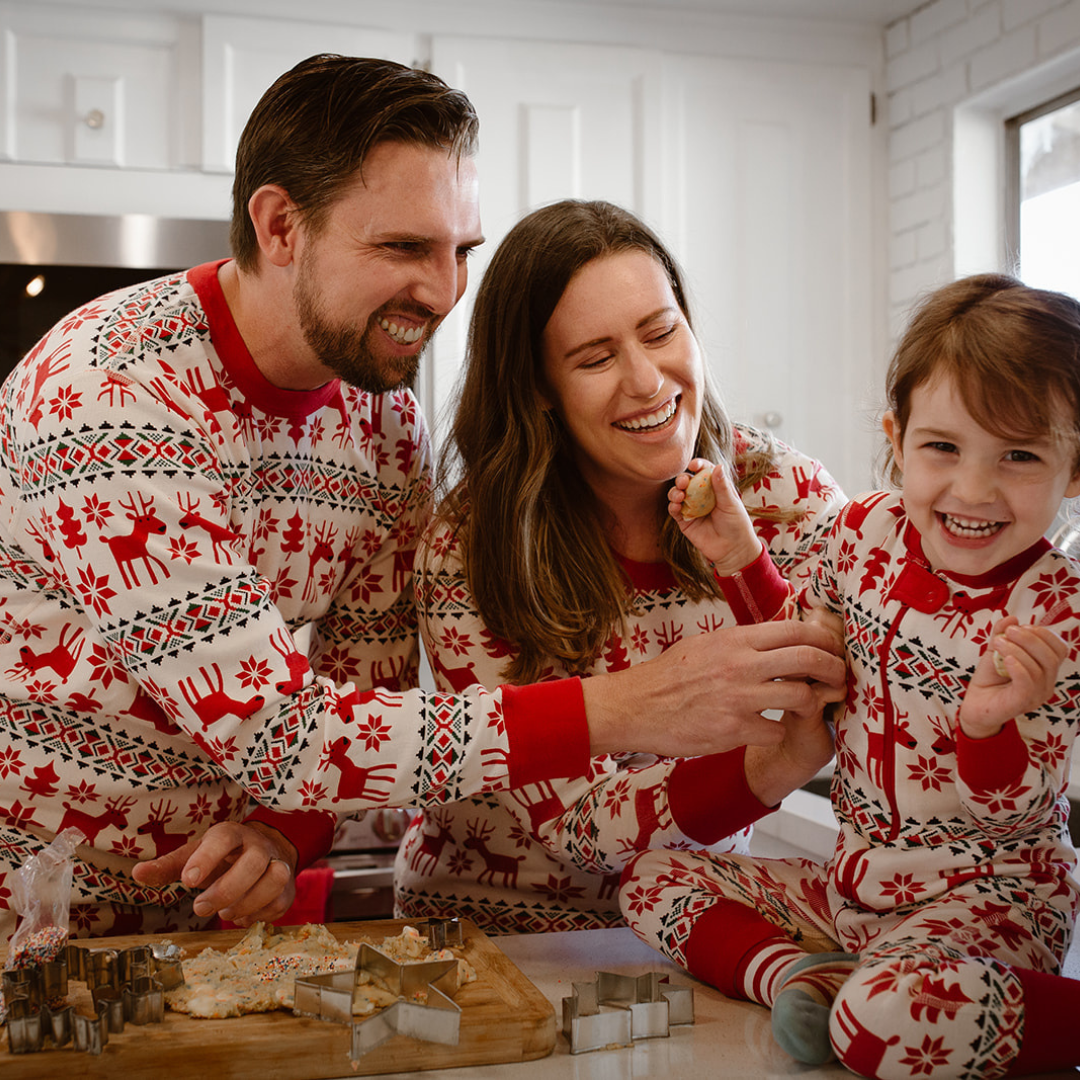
(737, 950)
(762, 969)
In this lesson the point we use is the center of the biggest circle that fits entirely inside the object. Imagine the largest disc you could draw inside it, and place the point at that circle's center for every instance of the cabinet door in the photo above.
(94, 88)
(556, 121)
(242, 57)
(769, 168)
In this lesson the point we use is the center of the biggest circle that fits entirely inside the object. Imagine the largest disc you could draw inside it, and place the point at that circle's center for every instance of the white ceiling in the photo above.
(868, 12)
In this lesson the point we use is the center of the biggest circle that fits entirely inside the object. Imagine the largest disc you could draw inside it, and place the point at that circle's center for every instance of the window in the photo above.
(1043, 218)
(1042, 149)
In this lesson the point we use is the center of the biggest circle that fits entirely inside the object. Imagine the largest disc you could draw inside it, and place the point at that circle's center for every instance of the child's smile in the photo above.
(969, 529)
(977, 498)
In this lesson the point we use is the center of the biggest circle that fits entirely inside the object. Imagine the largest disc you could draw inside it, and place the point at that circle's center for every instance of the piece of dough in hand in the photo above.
(700, 499)
(999, 664)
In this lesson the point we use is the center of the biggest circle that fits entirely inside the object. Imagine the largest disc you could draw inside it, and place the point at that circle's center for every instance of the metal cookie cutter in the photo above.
(424, 1009)
(617, 1009)
(127, 986)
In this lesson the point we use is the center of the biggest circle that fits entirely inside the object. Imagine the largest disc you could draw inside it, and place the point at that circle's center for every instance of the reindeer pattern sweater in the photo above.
(548, 856)
(168, 521)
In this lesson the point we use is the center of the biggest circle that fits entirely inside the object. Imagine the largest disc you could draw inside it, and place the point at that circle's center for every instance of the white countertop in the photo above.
(729, 1039)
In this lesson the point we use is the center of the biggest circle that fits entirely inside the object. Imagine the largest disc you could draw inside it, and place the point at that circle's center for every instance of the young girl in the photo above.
(940, 923)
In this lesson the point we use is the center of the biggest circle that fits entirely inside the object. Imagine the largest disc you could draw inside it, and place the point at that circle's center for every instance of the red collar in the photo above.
(237, 360)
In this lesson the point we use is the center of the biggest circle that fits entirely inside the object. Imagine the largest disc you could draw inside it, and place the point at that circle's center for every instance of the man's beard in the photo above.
(346, 350)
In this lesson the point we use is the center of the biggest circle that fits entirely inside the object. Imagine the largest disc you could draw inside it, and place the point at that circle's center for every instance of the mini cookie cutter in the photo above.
(127, 986)
(434, 1019)
(614, 1010)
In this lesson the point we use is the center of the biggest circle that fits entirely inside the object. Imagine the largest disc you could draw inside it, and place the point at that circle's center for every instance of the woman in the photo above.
(552, 554)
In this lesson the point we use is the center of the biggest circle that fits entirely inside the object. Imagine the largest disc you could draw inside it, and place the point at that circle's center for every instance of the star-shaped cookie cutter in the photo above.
(614, 1010)
(127, 986)
(424, 1010)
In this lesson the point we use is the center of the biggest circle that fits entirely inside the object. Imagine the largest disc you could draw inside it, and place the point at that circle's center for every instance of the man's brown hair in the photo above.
(312, 130)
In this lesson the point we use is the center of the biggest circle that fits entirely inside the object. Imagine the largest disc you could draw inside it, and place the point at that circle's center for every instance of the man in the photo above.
(193, 469)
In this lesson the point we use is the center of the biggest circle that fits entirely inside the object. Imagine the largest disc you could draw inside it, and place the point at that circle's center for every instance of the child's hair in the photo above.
(1013, 353)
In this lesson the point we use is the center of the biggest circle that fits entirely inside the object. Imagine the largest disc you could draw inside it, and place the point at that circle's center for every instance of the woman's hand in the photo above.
(726, 535)
(249, 870)
(1031, 656)
(806, 748)
(809, 739)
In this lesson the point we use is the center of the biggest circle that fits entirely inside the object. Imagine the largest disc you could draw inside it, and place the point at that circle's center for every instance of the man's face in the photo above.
(388, 264)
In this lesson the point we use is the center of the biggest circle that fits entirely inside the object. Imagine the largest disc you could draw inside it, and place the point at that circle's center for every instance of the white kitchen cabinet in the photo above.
(557, 120)
(768, 171)
(757, 175)
(757, 172)
(242, 57)
(97, 88)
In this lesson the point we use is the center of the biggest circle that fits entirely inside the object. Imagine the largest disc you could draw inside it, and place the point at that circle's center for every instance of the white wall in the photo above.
(746, 141)
(955, 70)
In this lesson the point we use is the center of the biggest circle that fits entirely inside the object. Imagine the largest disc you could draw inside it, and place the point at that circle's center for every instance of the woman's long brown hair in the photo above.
(536, 558)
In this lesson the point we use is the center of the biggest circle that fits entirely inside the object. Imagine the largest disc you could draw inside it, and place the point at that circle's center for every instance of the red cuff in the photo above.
(709, 797)
(991, 764)
(311, 832)
(547, 731)
(757, 592)
(722, 938)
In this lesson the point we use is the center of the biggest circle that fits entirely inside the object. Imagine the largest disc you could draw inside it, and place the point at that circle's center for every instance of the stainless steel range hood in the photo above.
(52, 263)
(135, 240)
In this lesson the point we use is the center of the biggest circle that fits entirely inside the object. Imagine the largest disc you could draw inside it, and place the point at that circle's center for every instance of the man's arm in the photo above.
(706, 694)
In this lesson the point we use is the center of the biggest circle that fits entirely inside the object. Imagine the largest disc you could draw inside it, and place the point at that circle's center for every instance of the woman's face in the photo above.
(625, 374)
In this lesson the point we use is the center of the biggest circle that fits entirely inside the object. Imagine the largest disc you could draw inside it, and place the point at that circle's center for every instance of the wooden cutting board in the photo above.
(503, 1018)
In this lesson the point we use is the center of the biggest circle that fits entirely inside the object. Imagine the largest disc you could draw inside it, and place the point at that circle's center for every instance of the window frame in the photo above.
(1013, 124)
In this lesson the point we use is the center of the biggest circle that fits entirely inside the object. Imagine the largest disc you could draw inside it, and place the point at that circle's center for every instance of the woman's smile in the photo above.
(624, 374)
(653, 421)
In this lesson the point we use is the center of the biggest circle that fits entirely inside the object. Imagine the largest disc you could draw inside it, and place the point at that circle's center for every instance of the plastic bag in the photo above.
(41, 894)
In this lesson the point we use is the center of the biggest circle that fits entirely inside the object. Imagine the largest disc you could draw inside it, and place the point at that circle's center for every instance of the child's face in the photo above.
(977, 499)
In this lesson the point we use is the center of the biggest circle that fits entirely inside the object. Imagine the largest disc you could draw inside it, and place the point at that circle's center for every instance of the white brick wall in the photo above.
(945, 55)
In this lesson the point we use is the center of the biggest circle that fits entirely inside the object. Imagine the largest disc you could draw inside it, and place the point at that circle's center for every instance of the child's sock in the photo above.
(1051, 1004)
(736, 949)
(800, 1011)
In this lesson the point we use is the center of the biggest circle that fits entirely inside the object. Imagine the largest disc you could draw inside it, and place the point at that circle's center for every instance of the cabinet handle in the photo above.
(772, 419)
(95, 119)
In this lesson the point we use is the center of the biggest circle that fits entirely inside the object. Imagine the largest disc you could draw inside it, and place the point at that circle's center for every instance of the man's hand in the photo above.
(707, 692)
(1031, 656)
(246, 871)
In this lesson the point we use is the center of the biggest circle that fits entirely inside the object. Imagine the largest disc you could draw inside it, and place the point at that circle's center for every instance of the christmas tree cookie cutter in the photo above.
(424, 1009)
(614, 1010)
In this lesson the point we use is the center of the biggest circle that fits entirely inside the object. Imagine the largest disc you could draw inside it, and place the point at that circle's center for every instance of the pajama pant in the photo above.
(934, 993)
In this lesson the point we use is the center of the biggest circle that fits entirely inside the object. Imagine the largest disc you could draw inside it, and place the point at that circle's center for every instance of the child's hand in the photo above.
(725, 536)
(1031, 656)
